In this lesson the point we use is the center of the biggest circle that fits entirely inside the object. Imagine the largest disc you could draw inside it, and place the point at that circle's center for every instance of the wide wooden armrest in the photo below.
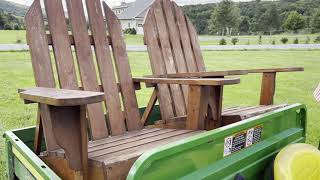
(276, 70)
(189, 81)
(60, 97)
(202, 74)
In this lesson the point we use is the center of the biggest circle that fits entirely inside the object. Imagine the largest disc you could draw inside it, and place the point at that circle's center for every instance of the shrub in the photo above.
(273, 42)
(7, 27)
(17, 27)
(234, 41)
(223, 42)
(296, 41)
(133, 31)
(260, 39)
(130, 31)
(284, 40)
(18, 41)
(317, 40)
(307, 40)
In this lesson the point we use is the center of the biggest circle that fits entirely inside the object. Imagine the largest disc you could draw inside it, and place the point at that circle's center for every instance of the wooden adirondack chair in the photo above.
(174, 52)
(117, 138)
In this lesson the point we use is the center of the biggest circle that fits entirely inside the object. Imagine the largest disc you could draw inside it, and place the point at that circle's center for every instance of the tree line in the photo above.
(10, 22)
(256, 17)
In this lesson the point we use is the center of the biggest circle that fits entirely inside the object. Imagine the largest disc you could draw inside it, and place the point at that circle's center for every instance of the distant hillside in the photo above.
(13, 8)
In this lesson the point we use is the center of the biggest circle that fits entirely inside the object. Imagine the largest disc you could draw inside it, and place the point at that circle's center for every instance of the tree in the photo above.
(270, 20)
(294, 22)
(199, 15)
(244, 25)
(225, 18)
(315, 21)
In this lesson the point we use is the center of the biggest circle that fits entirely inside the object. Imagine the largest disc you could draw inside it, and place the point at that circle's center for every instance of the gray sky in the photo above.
(115, 2)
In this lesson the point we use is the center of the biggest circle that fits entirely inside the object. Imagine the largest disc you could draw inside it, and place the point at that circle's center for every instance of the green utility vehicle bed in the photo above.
(244, 148)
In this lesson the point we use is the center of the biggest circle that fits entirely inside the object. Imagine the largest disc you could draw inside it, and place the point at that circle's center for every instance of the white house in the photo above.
(131, 15)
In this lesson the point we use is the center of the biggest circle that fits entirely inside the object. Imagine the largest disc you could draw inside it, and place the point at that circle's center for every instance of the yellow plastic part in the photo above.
(297, 162)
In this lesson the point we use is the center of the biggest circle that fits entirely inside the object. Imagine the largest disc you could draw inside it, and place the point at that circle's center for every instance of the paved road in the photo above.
(17, 47)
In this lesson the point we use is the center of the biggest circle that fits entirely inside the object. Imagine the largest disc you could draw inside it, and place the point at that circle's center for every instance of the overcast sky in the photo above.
(115, 2)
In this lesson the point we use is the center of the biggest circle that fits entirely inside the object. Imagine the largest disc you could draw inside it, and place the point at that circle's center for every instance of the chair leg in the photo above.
(267, 88)
(214, 116)
(150, 106)
(69, 127)
(204, 107)
(38, 134)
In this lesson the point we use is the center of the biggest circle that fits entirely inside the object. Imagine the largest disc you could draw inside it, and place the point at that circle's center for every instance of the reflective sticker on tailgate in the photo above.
(241, 140)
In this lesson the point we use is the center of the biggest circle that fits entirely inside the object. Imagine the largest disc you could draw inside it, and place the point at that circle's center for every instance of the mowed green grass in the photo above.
(16, 72)
(13, 37)
(254, 40)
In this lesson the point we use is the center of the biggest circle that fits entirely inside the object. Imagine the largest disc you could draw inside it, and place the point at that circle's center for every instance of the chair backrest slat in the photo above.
(123, 68)
(167, 56)
(157, 65)
(107, 75)
(175, 36)
(185, 39)
(40, 54)
(175, 42)
(195, 46)
(62, 40)
(61, 44)
(86, 65)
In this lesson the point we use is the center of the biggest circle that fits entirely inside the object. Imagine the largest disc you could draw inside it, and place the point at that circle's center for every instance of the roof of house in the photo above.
(123, 5)
(137, 9)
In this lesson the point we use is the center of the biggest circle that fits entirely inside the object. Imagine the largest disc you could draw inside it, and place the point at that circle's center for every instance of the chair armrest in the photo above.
(189, 81)
(276, 70)
(202, 74)
(60, 97)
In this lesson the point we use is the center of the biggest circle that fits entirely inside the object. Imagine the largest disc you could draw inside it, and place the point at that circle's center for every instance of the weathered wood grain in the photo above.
(168, 57)
(197, 107)
(202, 74)
(71, 122)
(124, 72)
(61, 97)
(71, 39)
(86, 65)
(175, 41)
(185, 39)
(274, 70)
(195, 45)
(189, 81)
(157, 65)
(107, 74)
(268, 88)
(41, 63)
(61, 45)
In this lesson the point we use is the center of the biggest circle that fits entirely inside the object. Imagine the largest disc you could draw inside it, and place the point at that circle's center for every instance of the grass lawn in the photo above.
(13, 37)
(16, 72)
(254, 40)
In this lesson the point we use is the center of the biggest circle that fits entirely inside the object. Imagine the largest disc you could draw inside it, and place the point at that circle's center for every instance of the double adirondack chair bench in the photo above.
(88, 112)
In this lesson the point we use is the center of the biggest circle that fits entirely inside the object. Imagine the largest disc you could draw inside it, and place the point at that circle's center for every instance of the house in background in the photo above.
(131, 15)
